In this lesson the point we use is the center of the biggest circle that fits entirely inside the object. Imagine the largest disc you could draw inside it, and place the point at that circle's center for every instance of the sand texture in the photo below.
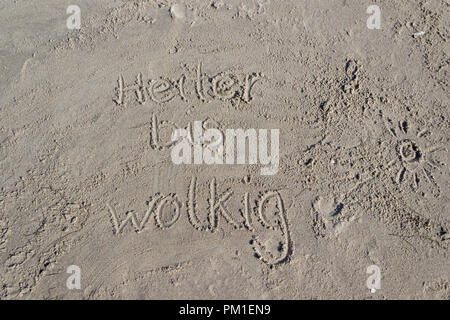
(87, 178)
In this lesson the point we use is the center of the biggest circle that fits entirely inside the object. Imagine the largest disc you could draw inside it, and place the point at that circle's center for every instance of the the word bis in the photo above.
(208, 147)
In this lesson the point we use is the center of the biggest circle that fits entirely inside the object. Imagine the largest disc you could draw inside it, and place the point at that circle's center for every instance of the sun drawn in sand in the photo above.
(414, 160)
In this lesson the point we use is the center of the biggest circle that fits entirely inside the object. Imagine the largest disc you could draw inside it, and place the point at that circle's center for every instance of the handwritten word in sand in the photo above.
(242, 146)
(204, 87)
(268, 212)
(211, 147)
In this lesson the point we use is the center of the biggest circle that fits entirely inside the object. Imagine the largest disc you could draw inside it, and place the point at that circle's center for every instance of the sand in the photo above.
(87, 178)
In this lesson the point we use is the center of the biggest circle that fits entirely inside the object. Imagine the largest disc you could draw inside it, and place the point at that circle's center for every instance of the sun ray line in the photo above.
(435, 149)
(415, 178)
(433, 164)
(390, 130)
(390, 163)
(422, 133)
(400, 174)
(426, 175)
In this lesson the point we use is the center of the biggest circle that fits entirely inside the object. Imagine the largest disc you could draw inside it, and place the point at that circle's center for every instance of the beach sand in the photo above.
(88, 179)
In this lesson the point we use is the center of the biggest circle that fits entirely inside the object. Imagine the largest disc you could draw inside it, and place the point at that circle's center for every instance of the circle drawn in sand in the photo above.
(414, 156)
(409, 152)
